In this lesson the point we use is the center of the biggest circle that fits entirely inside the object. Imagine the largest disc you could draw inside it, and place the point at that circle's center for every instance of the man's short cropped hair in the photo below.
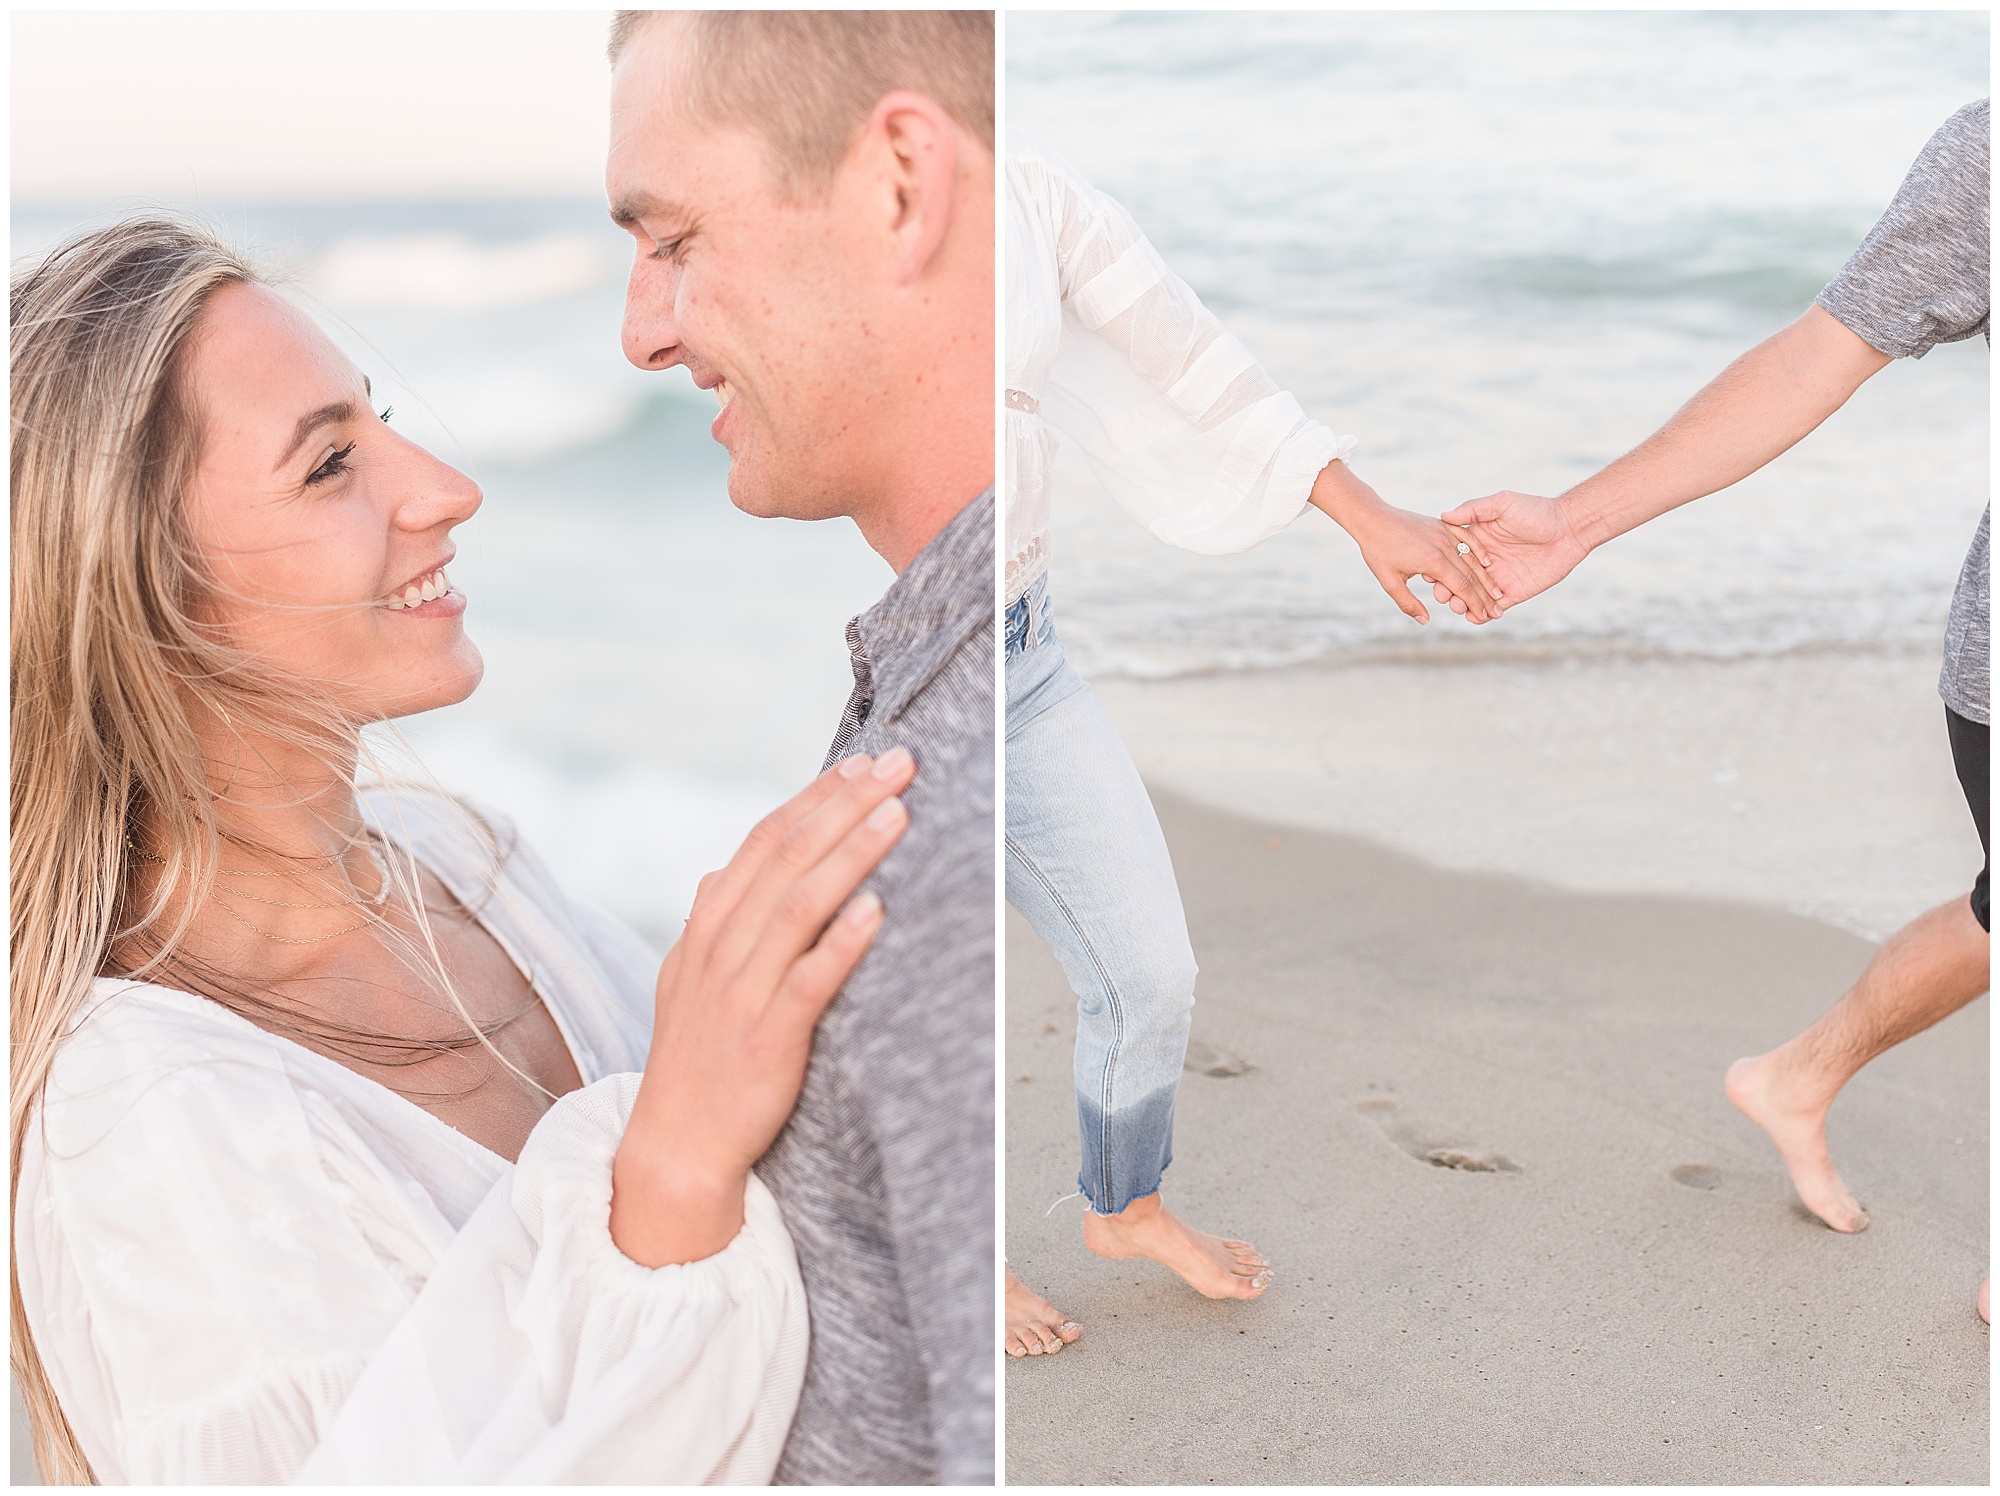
(807, 80)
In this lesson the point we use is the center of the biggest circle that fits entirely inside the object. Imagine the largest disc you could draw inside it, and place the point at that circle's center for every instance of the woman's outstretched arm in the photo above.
(1186, 430)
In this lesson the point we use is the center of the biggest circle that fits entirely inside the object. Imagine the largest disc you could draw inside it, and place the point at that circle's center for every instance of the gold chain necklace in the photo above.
(286, 939)
(381, 892)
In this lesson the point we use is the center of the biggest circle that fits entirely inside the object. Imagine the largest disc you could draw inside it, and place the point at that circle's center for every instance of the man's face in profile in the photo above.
(758, 296)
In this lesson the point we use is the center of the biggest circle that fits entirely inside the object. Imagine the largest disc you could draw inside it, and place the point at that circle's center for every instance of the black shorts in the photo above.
(1968, 752)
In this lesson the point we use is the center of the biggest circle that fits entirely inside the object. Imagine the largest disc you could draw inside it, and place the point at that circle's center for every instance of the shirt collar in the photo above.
(941, 597)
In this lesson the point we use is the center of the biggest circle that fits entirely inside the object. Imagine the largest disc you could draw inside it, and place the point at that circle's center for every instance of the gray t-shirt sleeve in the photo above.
(1921, 278)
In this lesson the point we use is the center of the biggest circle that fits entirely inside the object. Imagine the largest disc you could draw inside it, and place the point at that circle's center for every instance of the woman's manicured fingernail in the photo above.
(866, 905)
(892, 763)
(855, 767)
(888, 814)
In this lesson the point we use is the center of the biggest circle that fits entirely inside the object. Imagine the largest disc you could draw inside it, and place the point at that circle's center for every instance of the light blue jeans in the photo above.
(1088, 868)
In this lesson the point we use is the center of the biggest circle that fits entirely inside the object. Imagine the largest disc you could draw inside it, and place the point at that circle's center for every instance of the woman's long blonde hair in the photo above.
(112, 668)
(105, 653)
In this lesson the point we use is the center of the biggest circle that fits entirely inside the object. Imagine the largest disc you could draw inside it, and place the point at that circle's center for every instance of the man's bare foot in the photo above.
(1211, 1265)
(1985, 1301)
(1035, 1327)
(1765, 1092)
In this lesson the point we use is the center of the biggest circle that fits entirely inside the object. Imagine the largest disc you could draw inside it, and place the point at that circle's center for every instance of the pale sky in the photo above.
(307, 104)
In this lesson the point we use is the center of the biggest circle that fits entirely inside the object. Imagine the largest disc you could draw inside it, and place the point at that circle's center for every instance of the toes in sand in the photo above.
(1035, 1327)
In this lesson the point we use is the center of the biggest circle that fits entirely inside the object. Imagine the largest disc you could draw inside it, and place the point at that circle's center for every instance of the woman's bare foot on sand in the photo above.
(1985, 1301)
(1035, 1327)
(1211, 1265)
(1793, 1116)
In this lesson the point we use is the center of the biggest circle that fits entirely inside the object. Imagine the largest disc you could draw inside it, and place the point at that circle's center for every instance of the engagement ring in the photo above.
(1464, 549)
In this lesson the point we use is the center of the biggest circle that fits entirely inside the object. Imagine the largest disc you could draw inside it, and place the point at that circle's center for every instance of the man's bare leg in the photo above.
(1211, 1265)
(1035, 1327)
(1926, 971)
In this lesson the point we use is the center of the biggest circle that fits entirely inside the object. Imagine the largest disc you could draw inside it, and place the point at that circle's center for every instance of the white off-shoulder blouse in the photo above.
(242, 1262)
(1110, 348)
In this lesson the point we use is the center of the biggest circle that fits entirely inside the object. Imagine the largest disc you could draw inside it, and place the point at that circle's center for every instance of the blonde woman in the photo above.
(345, 1147)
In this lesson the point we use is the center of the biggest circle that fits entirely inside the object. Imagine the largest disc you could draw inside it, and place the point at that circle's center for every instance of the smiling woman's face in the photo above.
(327, 533)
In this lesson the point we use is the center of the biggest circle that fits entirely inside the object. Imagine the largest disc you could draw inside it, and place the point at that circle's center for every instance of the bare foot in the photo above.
(1764, 1092)
(1211, 1265)
(1035, 1327)
(1985, 1301)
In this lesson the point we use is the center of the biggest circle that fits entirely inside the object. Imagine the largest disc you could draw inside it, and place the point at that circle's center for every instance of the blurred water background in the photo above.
(1500, 249)
(661, 668)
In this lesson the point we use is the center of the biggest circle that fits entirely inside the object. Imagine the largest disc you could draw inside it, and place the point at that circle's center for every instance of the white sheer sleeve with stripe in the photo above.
(1187, 431)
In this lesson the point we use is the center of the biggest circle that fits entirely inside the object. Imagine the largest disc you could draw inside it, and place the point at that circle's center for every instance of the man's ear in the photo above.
(914, 149)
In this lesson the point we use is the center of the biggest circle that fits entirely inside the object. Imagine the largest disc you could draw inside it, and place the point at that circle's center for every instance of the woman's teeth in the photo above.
(426, 589)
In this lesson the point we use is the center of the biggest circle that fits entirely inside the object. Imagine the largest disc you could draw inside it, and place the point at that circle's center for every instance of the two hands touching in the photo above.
(1481, 558)
(1765, 402)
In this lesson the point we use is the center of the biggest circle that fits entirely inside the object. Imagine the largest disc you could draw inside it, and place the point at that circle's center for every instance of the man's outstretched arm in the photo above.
(1759, 407)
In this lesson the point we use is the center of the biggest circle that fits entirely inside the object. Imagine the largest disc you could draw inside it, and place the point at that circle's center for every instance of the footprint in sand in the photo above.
(1425, 1148)
(1206, 1059)
(1697, 1176)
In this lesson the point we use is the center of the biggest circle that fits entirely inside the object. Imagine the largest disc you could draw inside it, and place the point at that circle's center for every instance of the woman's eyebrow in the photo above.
(311, 421)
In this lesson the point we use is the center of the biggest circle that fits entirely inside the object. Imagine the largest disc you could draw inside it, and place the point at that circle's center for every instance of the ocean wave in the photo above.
(1106, 659)
(527, 414)
(1775, 286)
(449, 272)
(1148, 633)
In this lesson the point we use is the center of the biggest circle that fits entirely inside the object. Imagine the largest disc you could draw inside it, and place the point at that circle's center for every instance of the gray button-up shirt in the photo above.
(885, 1172)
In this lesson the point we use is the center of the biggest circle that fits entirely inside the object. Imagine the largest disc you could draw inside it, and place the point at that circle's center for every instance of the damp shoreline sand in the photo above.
(1643, 1301)
(1819, 783)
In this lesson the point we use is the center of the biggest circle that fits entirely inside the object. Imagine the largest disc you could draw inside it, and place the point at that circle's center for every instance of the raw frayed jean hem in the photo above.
(1126, 1151)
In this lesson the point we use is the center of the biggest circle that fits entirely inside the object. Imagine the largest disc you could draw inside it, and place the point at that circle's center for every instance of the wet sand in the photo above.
(1820, 784)
(1643, 1301)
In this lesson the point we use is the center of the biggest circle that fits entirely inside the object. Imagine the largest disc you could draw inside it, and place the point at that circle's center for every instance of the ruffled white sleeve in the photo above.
(1180, 423)
(538, 1353)
(229, 1280)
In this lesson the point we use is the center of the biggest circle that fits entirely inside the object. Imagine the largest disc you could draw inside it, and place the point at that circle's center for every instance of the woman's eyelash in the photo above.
(333, 467)
(336, 462)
